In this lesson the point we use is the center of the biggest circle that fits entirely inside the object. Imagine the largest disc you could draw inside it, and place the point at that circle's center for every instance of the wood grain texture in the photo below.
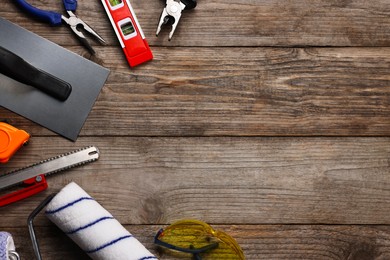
(238, 23)
(267, 119)
(257, 241)
(243, 92)
(225, 180)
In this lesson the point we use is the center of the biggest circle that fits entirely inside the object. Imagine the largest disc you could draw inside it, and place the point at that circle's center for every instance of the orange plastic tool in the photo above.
(11, 139)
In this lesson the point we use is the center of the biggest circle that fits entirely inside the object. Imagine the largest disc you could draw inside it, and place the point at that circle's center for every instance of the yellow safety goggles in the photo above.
(199, 239)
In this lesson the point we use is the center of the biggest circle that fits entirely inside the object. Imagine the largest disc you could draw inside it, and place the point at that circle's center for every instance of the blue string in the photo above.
(108, 244)
(67, 205)
(88, 225)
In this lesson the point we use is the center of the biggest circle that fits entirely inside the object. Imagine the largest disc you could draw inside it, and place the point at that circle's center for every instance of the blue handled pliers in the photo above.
(55, 19)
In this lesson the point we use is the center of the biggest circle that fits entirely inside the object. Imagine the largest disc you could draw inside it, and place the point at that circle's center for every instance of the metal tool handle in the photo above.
(30, 224)
(47, 16)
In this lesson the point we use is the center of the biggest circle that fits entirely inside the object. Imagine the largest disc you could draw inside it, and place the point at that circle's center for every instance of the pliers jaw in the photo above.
(172, 13)
(55, 19)
(75, 24)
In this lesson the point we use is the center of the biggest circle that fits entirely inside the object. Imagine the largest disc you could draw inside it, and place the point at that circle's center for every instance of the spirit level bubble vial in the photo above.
(128, 31)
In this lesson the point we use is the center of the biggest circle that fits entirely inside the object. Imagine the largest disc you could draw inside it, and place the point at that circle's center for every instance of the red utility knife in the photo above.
(32, 178)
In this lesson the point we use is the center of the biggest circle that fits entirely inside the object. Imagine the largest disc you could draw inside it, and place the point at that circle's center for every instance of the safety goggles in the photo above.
(199, 239)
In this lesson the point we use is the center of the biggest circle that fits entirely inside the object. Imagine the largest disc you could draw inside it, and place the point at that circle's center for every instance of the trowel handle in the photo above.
(20, 70)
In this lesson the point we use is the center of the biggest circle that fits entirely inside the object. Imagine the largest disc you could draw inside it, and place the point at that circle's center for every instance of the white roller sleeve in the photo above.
(6, 246)
(92, 227)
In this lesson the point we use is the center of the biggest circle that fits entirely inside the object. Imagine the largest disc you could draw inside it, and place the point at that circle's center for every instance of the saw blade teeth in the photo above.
(73, 165)
(70, 167)
(94, 154)
(19, 169)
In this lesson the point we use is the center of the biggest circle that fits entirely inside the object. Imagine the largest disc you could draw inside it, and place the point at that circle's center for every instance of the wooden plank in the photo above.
(242, 92)
(250, 180)
(237, 23)
(177, 134)
(257, 241)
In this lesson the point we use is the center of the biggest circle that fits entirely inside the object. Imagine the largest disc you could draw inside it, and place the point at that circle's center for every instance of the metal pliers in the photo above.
(56, 19)
(172, 13)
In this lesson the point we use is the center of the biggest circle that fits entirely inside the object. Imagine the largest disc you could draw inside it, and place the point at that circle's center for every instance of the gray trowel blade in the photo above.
(87, 79)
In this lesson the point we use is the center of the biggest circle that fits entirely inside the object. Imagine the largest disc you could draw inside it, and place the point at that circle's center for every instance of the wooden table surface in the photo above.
(269, 120)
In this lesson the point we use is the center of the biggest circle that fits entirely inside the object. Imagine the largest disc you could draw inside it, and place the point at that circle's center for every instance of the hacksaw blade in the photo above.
(50, 166)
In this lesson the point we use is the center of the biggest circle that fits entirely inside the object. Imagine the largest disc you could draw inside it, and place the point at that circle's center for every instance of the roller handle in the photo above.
(20, 70)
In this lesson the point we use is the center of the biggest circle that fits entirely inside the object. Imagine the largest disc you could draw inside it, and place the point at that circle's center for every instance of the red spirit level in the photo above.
(128, 31)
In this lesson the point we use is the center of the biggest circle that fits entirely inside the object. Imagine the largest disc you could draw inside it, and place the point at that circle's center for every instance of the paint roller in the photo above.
(89, 225)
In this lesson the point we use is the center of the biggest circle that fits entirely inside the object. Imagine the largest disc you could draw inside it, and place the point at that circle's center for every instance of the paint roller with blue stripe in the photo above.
(92, 227)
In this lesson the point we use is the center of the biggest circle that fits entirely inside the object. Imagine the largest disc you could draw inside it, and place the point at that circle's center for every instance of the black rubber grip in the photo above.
(190, 4)
(20, 70)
